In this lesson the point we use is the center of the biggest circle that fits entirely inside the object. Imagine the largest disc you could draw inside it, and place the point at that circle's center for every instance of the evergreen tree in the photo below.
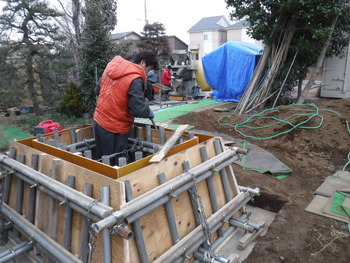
(154, 38)
(32, 34)
(95, 51)
(10, 78)
(73, 103)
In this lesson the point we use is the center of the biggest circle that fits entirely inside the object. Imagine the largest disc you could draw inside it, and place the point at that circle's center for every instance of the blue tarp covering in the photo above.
(229, 68)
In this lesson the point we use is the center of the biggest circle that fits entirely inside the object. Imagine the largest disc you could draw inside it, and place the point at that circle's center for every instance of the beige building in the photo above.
(211, 32)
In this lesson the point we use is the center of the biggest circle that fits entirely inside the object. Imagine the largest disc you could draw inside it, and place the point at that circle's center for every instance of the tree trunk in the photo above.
(317, 69)
(276, 63)
(254, 81)
(33, 95)
(300, 87)
(76, 7)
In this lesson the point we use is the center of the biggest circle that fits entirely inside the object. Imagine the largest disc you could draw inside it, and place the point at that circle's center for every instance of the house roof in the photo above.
(178, 39)
(210, 23)
(244, 23)
(123, 35)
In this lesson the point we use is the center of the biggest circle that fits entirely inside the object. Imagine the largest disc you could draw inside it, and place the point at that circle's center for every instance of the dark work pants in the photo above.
(108, 143)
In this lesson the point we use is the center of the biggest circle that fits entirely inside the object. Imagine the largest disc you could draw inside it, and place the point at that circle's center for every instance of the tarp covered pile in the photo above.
(229, 68)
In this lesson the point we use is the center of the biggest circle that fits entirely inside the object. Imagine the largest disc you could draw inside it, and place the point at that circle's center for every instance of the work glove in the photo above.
(151, 114)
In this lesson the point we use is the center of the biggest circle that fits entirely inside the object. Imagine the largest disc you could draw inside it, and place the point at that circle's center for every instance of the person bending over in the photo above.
(121, 99)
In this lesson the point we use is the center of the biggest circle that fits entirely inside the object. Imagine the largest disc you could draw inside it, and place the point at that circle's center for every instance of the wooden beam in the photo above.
(169, 144)
(250, 237)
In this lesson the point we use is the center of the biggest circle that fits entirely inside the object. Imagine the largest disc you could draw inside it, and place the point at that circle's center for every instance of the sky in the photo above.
(177, 16)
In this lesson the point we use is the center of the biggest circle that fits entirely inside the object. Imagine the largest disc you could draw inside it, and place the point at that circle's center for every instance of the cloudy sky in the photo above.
(178, 16)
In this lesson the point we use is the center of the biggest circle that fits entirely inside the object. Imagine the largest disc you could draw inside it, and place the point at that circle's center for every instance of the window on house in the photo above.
(208, 36)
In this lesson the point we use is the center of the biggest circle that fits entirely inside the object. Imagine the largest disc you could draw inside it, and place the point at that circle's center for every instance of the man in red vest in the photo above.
(121, 99)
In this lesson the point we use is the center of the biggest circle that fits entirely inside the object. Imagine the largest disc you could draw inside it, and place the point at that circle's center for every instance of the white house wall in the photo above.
(234, 34)
(213, 41)
(245, 37)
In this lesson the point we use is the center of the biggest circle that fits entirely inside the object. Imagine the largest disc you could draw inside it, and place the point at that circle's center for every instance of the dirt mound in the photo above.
(314, 141)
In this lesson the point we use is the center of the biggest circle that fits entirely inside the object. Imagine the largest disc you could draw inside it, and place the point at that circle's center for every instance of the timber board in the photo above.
(82, 175)
(143, 178)
(155, 227)
(109, 171)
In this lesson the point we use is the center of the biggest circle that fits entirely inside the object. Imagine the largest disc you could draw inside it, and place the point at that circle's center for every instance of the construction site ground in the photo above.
(294, 235)
(313, 154)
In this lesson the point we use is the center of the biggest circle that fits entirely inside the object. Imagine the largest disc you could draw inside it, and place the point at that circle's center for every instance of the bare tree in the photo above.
(72, 23)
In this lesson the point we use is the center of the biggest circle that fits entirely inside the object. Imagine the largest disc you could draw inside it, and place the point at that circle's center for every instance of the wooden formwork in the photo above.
(141, 176)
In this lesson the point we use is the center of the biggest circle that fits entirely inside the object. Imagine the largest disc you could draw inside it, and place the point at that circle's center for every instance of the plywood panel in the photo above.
(143, 178)
(154, 224)
(82, 176)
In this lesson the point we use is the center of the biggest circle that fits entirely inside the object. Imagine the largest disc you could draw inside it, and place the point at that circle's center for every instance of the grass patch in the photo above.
(28, 122)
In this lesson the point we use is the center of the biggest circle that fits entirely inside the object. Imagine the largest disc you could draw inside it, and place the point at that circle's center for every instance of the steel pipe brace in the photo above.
(46, 244)
(15, 251)
(255, 191)
(80, 144)
(245, 222)
(162, 190)
(176, 192)
(196, 237)
(99, 209)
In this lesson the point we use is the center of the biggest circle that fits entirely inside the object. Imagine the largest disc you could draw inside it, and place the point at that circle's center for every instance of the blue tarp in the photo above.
(229, 68)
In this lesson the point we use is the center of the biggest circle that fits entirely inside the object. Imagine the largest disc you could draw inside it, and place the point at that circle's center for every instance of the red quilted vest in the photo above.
(111, 112)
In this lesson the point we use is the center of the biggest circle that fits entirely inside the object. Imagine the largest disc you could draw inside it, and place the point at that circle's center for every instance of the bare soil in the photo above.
(313, 154)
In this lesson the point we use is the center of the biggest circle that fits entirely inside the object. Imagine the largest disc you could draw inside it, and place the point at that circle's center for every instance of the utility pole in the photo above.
(146, 20)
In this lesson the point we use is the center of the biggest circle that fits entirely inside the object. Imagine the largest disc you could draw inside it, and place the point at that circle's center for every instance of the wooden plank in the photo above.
(233, 258)
(223, 243)
(135, 166)
(250, 237)
(52, 204)
(169, 144)
(76, 159)
(84, 133)
(154, 225)
(143, 178)
(40, 209)
(82, 176)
